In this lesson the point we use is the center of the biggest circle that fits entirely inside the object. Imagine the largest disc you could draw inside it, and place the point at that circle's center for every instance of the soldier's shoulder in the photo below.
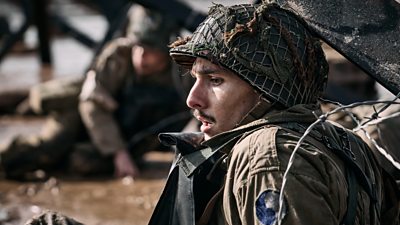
(260, 139)
(263, 133)
(257, 150)
(118, 49)
(118, 46)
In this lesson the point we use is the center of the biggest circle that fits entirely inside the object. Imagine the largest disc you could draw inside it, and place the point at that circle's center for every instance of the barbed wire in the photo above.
(377, 121)
(371, 120)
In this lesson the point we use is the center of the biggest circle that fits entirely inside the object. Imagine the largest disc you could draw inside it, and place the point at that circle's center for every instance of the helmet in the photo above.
(267, 46)
(150, 27)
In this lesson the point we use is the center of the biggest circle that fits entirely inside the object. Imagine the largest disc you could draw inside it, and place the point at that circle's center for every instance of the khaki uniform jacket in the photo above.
(316, 187)
(113, 69)
(384, 131)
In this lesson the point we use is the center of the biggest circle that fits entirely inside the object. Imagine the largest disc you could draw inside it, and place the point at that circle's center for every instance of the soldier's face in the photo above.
(148, 61)
(220, 99)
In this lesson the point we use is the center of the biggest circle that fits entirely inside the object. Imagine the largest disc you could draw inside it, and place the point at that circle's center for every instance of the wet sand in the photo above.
(90, 200)
(105, 201)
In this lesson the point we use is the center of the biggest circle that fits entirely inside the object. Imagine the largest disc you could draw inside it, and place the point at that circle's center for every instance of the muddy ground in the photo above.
(91, 200)
(101, 200)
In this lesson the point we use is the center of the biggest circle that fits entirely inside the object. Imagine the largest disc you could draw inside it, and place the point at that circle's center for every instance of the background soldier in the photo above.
(128, 90)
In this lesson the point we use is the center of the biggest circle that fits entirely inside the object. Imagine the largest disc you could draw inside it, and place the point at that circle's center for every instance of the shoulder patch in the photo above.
(267, 207)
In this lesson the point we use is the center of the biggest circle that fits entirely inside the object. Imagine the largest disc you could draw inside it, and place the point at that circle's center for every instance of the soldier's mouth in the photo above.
(203, 117)
(206, 120)
(205, 125)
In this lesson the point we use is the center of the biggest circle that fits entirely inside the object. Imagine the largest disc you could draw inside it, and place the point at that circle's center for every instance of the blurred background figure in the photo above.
(127, 97)
(348, 84)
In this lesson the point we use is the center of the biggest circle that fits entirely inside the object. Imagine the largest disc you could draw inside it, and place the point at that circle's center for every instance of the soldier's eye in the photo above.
(216, 81)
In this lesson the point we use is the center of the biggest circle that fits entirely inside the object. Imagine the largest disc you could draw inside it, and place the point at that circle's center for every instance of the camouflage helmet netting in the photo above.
(267, 46)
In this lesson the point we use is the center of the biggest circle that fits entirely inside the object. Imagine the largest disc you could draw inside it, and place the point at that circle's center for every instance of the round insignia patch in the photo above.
(267, 207)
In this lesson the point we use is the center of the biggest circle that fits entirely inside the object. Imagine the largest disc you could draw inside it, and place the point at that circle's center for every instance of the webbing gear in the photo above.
(354, 174)
(351, 179)
(189, 187)
(344, 152)
(267, 46)
(350, 217)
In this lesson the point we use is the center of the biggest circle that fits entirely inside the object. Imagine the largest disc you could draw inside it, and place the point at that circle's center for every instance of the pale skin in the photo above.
(146, 61)
(219, 97)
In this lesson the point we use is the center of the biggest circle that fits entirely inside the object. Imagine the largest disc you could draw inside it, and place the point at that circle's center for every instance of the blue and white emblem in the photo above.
(267, 207)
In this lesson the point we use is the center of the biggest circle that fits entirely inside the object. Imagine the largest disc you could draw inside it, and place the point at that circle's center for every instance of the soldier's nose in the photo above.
(196, 98)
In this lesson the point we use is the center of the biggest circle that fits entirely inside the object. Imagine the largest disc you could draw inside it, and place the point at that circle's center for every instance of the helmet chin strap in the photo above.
(260, 109)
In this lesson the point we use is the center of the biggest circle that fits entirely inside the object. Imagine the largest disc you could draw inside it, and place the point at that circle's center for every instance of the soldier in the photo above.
(117, 102)
(259, 72)
(126, 93)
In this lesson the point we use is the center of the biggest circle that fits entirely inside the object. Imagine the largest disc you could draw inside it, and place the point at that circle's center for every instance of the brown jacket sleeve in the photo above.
(315, 191)
(97, 99)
